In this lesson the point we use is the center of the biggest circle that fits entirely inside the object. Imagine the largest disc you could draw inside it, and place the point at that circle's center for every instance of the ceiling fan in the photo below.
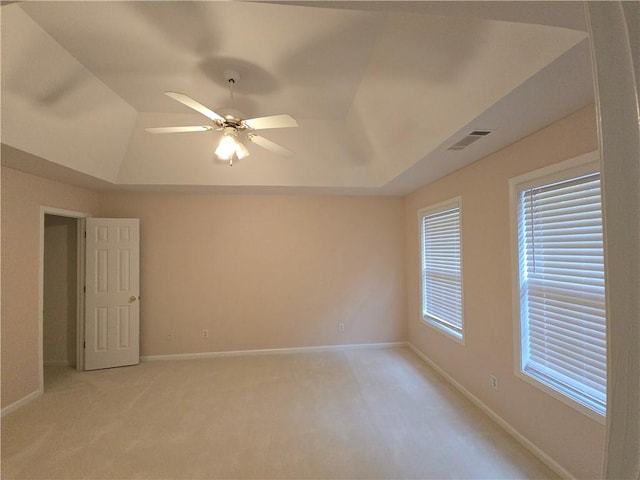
(232, 127)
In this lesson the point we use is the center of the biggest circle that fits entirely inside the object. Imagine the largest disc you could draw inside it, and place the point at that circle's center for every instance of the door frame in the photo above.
(80, 275)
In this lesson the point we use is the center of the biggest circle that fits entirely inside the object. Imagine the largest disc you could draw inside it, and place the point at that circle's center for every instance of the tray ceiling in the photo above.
(381, 90)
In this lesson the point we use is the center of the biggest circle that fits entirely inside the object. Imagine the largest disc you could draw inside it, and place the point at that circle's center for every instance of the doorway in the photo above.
(61, 298)
(59, 293)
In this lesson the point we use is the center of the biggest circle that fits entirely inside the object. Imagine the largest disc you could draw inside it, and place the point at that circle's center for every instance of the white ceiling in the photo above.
(380, 89)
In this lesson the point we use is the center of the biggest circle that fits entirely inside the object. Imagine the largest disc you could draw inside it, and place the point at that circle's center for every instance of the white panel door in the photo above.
(112, 313)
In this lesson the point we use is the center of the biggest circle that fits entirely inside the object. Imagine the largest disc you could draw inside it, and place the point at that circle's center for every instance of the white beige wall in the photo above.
(267, 271)
(573, 440)
(60, 290)
(256, 271)
(274, 271)
(22, 197)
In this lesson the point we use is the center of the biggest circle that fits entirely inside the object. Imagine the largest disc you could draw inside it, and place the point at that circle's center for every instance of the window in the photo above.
(560, 260)
(441, 267)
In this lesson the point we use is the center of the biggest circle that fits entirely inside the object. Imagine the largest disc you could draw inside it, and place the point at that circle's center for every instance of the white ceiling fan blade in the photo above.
(273, 121)
(197, 106)
(269, 145)
(194, 128)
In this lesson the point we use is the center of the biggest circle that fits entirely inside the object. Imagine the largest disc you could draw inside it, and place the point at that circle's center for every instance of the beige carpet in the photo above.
(374, 413)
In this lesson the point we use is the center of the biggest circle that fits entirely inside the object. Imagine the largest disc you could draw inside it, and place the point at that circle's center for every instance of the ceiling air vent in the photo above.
(469, 139)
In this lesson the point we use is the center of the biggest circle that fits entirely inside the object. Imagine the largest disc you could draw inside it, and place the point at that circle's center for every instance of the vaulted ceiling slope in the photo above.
(381, 90)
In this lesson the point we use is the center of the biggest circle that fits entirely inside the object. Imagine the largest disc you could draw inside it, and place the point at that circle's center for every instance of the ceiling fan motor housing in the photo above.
(230, 130)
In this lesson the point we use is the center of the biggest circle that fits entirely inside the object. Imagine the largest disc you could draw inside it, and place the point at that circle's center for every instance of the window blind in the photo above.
(562, 288)
(441, 270)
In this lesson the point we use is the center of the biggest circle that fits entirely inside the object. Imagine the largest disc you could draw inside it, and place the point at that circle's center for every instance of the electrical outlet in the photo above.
(341, 327)
(205, 333)
(494, 382)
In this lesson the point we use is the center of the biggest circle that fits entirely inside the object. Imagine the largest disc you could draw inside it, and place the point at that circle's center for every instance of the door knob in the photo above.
(133, 298)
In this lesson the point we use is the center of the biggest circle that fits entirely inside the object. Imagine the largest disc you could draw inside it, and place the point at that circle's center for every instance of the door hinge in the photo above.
(84, 289)
(85, 234)
(84, 344)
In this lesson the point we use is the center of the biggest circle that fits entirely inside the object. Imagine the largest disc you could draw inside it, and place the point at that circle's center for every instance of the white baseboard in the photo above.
(20, 403)
(534, 449)
(271, 351)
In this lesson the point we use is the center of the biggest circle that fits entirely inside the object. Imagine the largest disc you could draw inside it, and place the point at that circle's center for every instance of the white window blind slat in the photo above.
(442, 309)
(544, 346)
(563, 322)
(579, 373)
(562, 318)
(588, 394)
(590, 279)
(567, 370)
(586, 294)
(441, 268)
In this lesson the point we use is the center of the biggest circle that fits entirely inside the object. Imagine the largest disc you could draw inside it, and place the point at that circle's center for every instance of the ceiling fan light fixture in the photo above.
(226, 147)
(230, 145)
(241, 150)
